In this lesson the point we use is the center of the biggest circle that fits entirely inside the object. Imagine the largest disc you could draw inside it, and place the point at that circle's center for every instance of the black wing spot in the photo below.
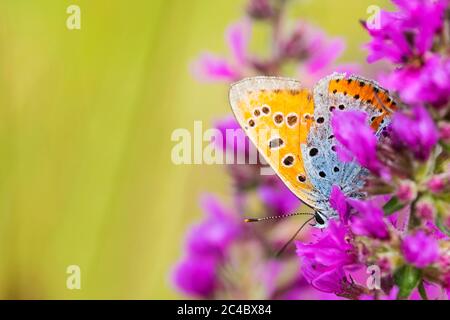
(322, 174)
(291, 120)
(313, 152)
(278, 118)
(288, 161)
(265, 109)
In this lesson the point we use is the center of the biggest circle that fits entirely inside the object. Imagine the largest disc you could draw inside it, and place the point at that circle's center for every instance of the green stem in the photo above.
(422, 291)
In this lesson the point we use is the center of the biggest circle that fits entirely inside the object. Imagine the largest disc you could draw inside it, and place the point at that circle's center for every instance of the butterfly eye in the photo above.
(319, 220)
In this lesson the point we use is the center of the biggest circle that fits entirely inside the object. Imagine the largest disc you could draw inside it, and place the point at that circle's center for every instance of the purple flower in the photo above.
(333, 250)
(215, 234)
(275, 195)
(428, 82)
(420, 250)
(338, 202)
(323, 278)
(418, 131)
(369, 222)
(330, 280)
(323, 52)
(424, 18)
(238, 36)
(387, 40)
(408, 33)
(356, 140)
(196, 277)
(406, 37)
(212, 68)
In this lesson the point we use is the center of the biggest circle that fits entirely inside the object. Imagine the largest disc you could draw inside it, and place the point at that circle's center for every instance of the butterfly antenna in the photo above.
(277, 217)
(292, 238)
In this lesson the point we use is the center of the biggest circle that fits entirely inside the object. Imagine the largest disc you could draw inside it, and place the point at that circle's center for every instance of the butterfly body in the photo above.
(291, 127)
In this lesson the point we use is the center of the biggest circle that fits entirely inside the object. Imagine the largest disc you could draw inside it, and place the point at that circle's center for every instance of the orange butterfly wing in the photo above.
(372, 97)
(276, 114)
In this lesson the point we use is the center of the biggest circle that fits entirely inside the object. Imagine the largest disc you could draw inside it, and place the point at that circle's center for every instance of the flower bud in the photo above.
(260, 9)
(436, 184)
(385, 265)
(425, 210)
(444, 131)
(406, 191)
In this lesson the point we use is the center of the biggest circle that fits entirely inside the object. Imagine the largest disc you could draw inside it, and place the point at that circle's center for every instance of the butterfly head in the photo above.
(321, 220)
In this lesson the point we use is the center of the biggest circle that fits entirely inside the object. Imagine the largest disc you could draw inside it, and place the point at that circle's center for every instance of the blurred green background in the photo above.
(85, 123)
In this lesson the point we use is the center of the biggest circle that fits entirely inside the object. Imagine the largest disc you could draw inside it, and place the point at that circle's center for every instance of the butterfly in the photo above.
(291, 127)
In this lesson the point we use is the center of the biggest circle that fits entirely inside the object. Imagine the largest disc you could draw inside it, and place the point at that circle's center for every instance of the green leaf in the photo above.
(392, 206)
(407, 278)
